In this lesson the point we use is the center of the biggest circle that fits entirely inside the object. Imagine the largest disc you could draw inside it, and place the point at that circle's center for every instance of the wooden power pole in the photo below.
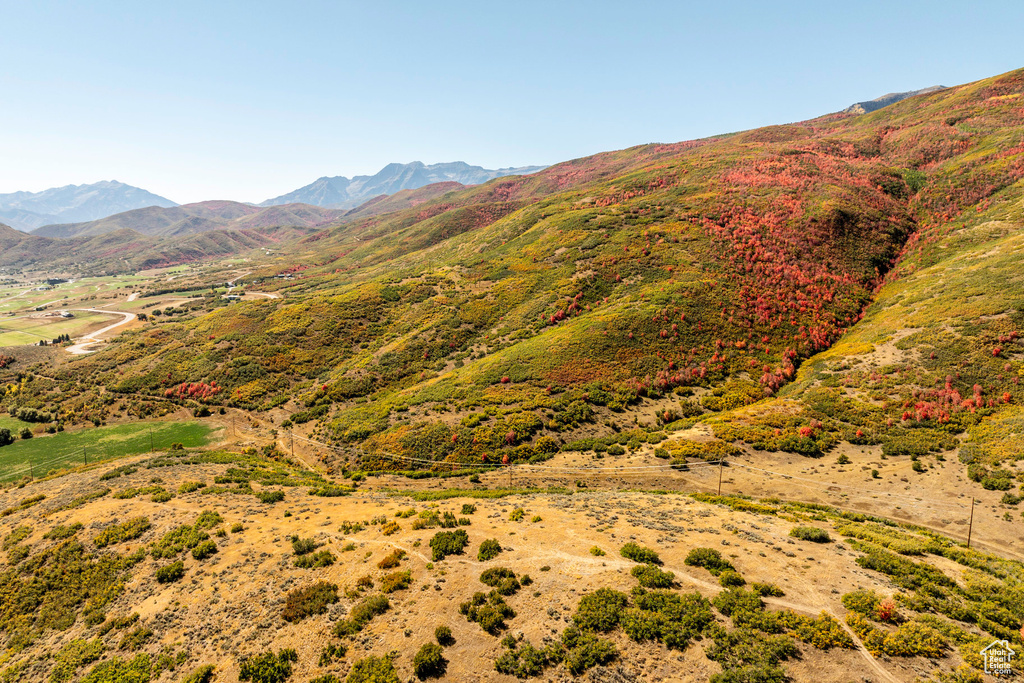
(721, 465)
(970, 524)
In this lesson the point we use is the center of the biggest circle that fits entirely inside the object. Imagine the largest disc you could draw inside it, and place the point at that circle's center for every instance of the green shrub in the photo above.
(126, 531)
(204, 550)
(392, 559)
(468, 508)
(362, 614)
(170, 573)
(749, 656)
(863, 602)
(650, 576)
(638, 553)
(117, 670)
(731, 579)
(373, 670)
(710, 559)
(323, 558)
(810, 533)
(597, 552)
(490, 611)
(445, 543)
(189, 487)
(313, 599)
(585, 650)
(268, 667)
(502, 579)
(667, 617)
(444, 636)
(270, 496)
(600, 610)
(303, 546)
(767, 590)
(429, 661)
(489, 549)
(517, 515)
(74, 656)
(136, 638)
(61, 532)
(202, 674)
(737, 600)
(521, 660)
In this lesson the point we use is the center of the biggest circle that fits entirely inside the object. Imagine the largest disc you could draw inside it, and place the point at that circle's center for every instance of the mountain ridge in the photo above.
(348, 193)
(27, 211)
(889, 98)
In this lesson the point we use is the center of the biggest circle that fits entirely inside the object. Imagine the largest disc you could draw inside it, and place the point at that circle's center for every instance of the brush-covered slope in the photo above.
(190, 219)
(184, 565)
(665, 284)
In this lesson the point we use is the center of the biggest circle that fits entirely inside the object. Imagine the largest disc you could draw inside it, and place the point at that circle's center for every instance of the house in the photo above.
(67, 314)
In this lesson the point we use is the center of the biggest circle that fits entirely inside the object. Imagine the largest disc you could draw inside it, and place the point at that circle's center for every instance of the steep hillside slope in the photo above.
(657, 288)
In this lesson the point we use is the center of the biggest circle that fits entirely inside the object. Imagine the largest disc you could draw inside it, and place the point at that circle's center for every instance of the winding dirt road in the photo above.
(83, 344)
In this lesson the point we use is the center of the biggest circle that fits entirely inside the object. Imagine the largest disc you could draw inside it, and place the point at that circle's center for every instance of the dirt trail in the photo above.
(93, 338)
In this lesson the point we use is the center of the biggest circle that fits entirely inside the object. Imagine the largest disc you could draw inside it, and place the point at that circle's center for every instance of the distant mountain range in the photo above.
(886, 100)
(74, 203)
(192, 219)
(340, 192)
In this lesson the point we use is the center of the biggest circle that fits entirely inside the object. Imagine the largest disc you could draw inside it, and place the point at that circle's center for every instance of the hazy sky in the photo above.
(225, 100)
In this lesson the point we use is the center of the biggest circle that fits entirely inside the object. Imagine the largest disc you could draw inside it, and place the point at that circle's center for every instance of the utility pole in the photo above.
(970, 524)
(721, 464)
(151, 447)
(291, 439)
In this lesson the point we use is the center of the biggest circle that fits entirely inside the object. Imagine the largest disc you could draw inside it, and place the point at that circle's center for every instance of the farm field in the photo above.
(54, 452)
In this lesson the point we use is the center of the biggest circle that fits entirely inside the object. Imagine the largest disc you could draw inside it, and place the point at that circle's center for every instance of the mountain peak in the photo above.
(887, 99)
(345, 193)
(74, 203)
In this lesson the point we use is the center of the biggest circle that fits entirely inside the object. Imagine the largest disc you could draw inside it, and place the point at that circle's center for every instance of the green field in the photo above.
(23, 331)
(54, 452)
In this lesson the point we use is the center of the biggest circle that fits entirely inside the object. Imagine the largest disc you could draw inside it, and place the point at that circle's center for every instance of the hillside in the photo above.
(887, 99)
(74, 203)
(190, 219)
(342, 193)
(825, 315)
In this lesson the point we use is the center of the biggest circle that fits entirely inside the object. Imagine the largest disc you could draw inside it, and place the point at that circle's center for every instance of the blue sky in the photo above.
(244, 101)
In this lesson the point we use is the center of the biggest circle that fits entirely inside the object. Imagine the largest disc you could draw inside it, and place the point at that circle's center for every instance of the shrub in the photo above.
(270, 496)
(268, 667)
(522, 660)
(600, 610)
(650, 576)
(392, 559)
(490, 611)
(810, 533)
(746, 655)
(429, 661)
(303, 546)
(324, 558)
(136, 638)
(585, 650)
(171, 573)
(668, 617)
(710, 559)
(73, 656)
(444, 637)
(489, 549)
(202, 674)
(189, 487)
(517, 515)
(445, 543)
(362, 614)
(237, 528)
(204, 550)
(731, 579)
(468, 509)
(332, 652)
(390, 527)
(126, 531)
(502, 579)
(736, 600)
(597, 552)
(395, 581)
(305, 602)
(638, 553)
(767, 590)
(862, 602)
(373, 670)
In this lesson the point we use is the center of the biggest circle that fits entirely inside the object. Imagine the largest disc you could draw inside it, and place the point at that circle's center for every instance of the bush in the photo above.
(189, 487)
(862, 602)
(468, 509)
(362, 614)
(303, 546)
(650, 576)
(270, 496)
(202, 674)
(444, 636)
(597, 552)
(395, 581)
(490, 611)
(445, 543)
(489, 549)
(126, 531)
(324, 558)
(600, 610)
(585, 650)
(517, 515)
(668, 617)
(171, 573)
(710, 559)
(204, 550)
(767, 590)
(392, 559)
(429, 661)
(373, 670)
(731, 579)
(747, 656)
(521, 661)
(810, 533)
(502, 579)
(268, 667)
(638, 553)
(305, 602)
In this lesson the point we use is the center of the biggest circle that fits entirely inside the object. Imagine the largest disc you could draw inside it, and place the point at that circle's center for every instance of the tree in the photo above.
(6, 438)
